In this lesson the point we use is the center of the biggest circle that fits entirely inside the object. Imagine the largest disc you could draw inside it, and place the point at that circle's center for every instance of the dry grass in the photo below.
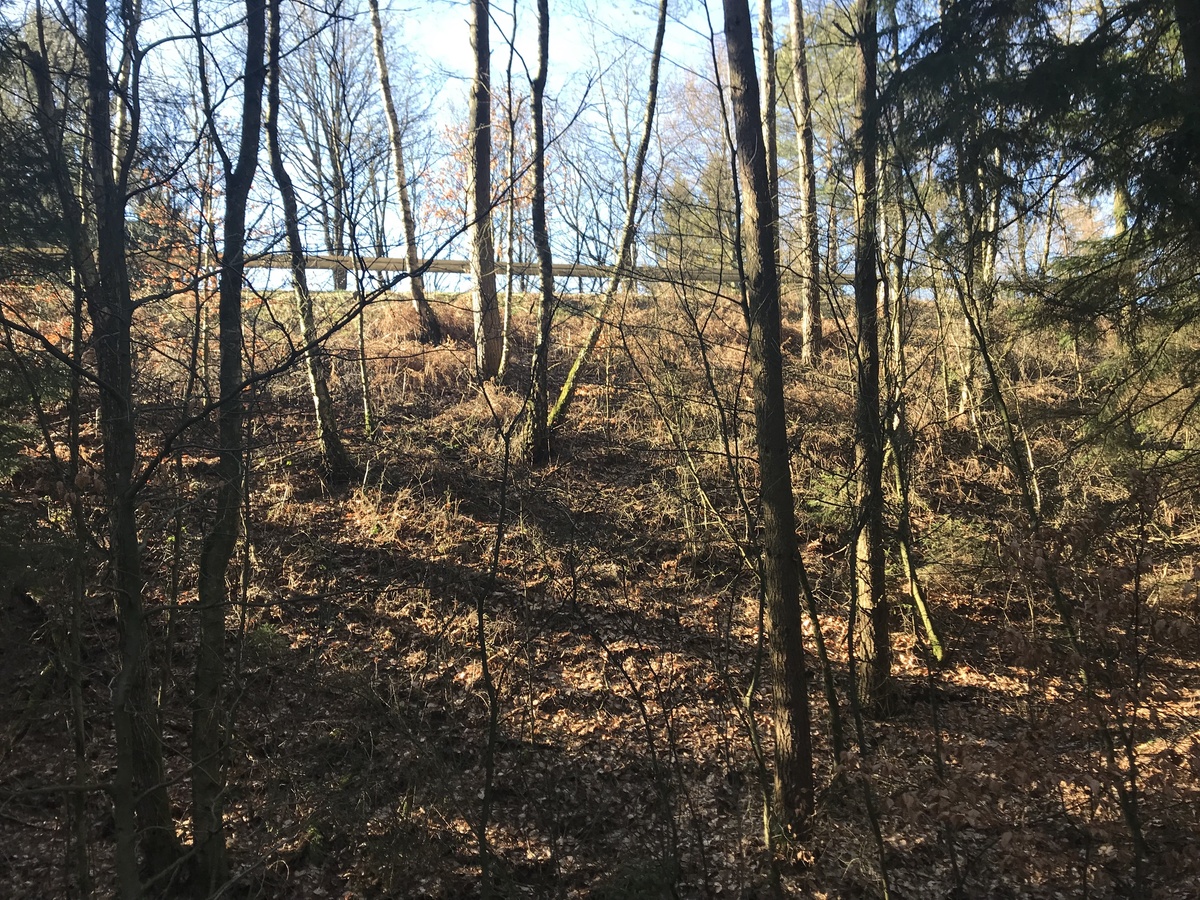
(621, 628)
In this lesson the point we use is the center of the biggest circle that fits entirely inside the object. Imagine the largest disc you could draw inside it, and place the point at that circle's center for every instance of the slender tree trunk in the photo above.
(794, 794)
(335, 459)
(872, 636)
(122, 129)
(364, 374)
(944, 338)
(810, 250)
(624, 249)
(510, 209)
(140, 768)
(981, 203)
(73, 639)
(336, 139)
(899, 436)
(208, 708)
(766, 29)
(107, 309)
(429, 329)
(538, 439)
(511, 114)
(488, 333)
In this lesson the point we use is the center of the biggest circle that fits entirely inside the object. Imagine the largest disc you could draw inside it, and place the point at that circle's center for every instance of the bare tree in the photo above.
(429, 330)
(97, 243)
(208, 708)
(489, 336)
(624, 248)
(335, 459)
(780, 566)
(328, 98)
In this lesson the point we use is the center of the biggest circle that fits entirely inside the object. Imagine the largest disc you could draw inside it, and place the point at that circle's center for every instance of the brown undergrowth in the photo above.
(621, 634)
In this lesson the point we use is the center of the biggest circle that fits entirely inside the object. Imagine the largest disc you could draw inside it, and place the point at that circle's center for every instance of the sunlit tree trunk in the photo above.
(624, 248)
(489, 337)
(510, 207)
(794, 795)
(872, 635)
(810, 250)
(766, 31)
(979, 202)
(429, 330)
(334, 457)
(899, 436)
(538, 438)
(209, 740)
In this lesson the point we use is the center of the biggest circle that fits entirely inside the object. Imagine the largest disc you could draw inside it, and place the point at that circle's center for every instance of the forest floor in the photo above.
(610, 740)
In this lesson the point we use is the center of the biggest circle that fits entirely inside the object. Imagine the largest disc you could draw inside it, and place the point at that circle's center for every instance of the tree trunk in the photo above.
(141, 802)
(538, 437)
(898, 434)
(624, 249)
(208, 709)
(766, 29)
(872, 637)
(335, 139)
(429, 329)
(488, 333)
(334, 457)
(794, 795)
(1187, 16)
(364, 374)
(980, 204)
(810, 251)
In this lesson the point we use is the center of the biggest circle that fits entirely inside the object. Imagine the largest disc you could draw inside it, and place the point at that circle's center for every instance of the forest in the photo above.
(663, 449)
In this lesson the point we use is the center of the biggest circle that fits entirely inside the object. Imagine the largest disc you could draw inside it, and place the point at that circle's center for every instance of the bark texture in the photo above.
(781, 558)
(810, 251)
(766, 28)
(489, 337)
(872, 642)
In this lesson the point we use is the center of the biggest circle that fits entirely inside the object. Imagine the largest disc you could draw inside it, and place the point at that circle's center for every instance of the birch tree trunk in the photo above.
(429, 329)
(794, 795)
